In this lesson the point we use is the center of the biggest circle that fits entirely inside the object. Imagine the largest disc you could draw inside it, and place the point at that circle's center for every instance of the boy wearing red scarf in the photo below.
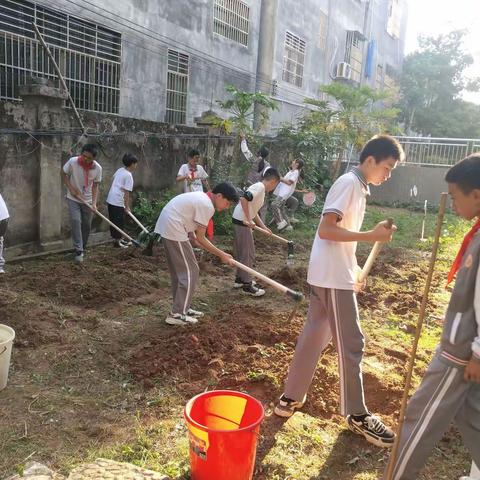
(191, 176)
(450, 389)
(81, 175)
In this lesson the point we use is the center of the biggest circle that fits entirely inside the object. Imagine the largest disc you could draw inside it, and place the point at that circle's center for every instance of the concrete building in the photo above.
(170, 60)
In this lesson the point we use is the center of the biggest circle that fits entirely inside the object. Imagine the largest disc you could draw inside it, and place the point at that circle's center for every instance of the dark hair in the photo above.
(381, 147)
(193, 152)
(263, 152)
(300, 163)
(271, 174)
(128, 159)
(227, 190)
(465, 174)
(90, 147)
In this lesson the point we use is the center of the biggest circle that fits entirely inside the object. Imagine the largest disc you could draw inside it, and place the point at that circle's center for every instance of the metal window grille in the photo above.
(322, 37)
(293, 60)
(231, 19)
(354, 54)
(379, 77)
(88, 55)
(177, 88)
(391, 76)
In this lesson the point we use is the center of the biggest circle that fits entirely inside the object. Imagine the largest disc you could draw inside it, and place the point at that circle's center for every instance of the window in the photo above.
(87, 54)
(293, 60)
(322, 37)
(354, 53)
(379, 77)
(177, 87)
(391, 75)
(231, 20)
(394, 18)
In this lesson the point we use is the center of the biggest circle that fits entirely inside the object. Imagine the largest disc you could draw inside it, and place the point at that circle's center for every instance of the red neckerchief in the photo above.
(210, 222)
(192, 172)
(458, 259)
(86, 167)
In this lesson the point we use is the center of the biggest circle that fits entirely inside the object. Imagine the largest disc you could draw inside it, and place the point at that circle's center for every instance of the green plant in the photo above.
(148, 209)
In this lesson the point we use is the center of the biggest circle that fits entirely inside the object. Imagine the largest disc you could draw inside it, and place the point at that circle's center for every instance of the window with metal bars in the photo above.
(87, 54)
(231, 19)
(354, 54)
(177, 88)
(394, 18)
(379, 77)
(293, 60)
(391, 76)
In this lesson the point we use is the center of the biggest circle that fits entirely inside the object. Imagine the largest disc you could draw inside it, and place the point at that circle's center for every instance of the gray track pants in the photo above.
(443, 397)
(81, 222)
(244, 250)
(3, 231)
(184, 273)
(278, 210)
(332, 313)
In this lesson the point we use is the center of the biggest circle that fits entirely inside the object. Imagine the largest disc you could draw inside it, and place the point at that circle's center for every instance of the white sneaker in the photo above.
(179, 319)
(282, 225)
(294, 220)
(2, 271)
(289, 228)
(124, 243)
(239, 284)
(194, 313)
(78, 257)
(252, 290)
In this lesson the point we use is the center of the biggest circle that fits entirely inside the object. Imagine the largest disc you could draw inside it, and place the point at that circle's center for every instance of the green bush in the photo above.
(148, 209)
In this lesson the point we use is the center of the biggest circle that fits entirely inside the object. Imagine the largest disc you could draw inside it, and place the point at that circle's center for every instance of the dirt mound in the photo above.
(293, 277)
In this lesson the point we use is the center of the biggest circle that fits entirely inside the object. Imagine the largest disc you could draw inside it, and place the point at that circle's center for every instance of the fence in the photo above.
(428, 151)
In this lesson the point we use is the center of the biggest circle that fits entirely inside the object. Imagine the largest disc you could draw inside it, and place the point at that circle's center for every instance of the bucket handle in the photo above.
(3, 351)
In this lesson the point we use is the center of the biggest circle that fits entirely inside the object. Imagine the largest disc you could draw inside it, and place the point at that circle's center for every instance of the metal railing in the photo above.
(430, 151)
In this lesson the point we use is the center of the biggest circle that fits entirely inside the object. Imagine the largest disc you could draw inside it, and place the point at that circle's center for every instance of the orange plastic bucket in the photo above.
(223, 428)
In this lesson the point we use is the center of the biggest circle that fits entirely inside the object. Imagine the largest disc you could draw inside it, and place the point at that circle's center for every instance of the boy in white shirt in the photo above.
(118, 199)
(4, 216)
(82, 175)
(245, 217)
(283, 192)
(332, 275)
(191, 175)
(186, 214)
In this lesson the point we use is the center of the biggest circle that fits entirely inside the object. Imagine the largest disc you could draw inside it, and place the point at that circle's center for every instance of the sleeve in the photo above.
(255, 189)
(245, 150)
(98, 176)
(295, 175)
(203, 173)
(339, 197)
(67, 168)
(476, 306)
(128, 182)
(181, 171)
(203, 214)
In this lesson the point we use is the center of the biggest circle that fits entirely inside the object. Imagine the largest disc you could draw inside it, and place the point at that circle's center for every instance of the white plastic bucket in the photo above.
(7, 335)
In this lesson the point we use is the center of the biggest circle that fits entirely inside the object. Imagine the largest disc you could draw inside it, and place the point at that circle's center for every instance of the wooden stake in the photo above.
(421, 316)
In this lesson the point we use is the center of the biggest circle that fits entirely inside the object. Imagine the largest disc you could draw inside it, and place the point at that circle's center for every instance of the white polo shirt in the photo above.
(3, 209)
(196, 184)
(258, 192)
(333, 264)
(183, 214)
(286, 191)
(122, 180)
(83, 183)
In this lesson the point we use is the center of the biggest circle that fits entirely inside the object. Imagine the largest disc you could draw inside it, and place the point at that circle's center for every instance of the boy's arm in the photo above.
(245, 150)
(329, 230)
(472, 370)
(126, 199)
(95, 194)
(246, 211)
(210, 247)
(73, 190)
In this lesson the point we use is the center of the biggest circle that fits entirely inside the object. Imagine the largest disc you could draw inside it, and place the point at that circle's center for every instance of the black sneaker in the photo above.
(286, 406)
(252, 290)
(373, 429)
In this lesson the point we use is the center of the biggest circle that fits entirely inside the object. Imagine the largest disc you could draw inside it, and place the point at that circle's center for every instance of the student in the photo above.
(189, 213)
(450, 389)
(245, 217)
(4, 216)
(332, 276)
(192, 176)
(118, 199)
(283, 192)
(82, 175)
(259, 162)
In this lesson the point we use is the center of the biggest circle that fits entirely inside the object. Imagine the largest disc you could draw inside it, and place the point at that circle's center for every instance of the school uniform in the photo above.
(81, 214)
(196, 177)
(4, 216)
(281, 195)
(122, 180)
(183, 215)
(444, 396)
(333, 311)
(243, 244)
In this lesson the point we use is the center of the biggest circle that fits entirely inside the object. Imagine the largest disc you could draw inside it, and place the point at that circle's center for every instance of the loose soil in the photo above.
(92, 346)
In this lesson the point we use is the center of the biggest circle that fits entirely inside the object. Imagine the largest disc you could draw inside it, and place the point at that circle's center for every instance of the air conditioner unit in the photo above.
(344, 71)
